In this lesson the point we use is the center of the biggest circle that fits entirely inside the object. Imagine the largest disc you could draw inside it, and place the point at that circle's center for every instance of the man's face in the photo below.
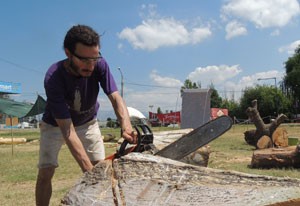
(83, 59)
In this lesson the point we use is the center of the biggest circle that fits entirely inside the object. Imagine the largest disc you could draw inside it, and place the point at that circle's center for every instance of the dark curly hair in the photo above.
(81, 34)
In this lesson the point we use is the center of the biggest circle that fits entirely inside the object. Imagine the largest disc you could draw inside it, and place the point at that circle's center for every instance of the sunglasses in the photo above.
(87, 60)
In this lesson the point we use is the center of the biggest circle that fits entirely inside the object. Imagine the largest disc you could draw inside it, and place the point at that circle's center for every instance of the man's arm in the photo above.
(121, 111)
(75, 146)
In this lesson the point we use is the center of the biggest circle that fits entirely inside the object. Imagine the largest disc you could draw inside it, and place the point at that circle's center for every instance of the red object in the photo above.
(165, 119)
(217, 112)
(115, 155)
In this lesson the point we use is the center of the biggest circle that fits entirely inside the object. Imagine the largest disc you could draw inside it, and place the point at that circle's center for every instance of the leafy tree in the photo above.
(291, 81)
(159, 110)
(271, 101)
(188, 84)
(215, 99)
(232, 106)
(110, 123)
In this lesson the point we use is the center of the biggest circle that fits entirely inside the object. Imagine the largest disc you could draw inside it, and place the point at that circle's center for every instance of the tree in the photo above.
(215, 99)
(188, 84)
(159, 110)
(232, 106)
(291, 81)
(110, 123)
(271, 101)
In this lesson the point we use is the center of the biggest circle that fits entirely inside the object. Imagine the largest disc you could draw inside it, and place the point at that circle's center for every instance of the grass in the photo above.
(18, 163)
(231, 152)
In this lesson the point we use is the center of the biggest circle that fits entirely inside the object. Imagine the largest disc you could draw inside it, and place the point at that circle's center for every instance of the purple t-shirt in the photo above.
(74, 97)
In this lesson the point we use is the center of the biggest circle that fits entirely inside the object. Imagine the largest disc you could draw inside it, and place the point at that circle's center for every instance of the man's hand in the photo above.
(130, 135)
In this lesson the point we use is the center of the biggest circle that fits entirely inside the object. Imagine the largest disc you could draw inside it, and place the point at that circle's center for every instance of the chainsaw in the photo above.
(180, 148)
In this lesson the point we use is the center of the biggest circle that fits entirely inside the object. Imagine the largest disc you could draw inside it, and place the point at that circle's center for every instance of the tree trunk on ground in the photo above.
(253, 136)
(276, 157)
(144, 179)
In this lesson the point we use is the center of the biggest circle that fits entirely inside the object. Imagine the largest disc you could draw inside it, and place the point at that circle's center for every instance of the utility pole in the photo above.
(122, 82)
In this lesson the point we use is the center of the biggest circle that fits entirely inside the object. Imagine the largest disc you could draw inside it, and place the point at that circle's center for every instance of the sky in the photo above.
(154, 45)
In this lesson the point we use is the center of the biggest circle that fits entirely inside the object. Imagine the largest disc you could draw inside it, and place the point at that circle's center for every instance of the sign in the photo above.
(13, 121)
(10, 88)
(165, 119)
(217, 112)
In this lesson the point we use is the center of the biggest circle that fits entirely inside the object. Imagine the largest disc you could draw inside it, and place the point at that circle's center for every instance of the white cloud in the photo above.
(163, 32)
(263, 13)
(290, 49)
(267, 78)
(234, 29)
(213, 74)
(167, 93)
(227, 80)
(164, 81)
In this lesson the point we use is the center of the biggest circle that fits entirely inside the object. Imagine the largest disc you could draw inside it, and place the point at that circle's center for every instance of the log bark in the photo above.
(144, 179)
(252, 137)
(276, 157)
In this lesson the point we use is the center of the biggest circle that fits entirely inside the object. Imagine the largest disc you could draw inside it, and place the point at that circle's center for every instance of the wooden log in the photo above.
(276, 157)
(12, 140)
(264, 142)
(280, 137)
(144, 179)
(262, 129)
(251, 137)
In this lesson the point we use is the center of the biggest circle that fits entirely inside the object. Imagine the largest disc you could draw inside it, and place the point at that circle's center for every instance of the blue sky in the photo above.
(157, 44)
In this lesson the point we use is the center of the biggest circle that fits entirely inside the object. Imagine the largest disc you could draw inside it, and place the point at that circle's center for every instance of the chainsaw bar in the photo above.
(197, 138)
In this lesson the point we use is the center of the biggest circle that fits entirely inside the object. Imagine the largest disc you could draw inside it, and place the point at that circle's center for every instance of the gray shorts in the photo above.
(51, 141)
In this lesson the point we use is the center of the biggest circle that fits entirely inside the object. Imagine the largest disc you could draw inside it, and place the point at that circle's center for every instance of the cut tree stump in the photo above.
(276, 157)
(253, 136)
(144, 179)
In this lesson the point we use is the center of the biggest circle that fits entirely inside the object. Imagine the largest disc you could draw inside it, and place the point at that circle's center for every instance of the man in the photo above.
(72, 87)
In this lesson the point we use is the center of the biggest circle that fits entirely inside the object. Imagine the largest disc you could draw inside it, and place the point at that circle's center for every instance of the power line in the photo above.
(148, 85)
(20, 66)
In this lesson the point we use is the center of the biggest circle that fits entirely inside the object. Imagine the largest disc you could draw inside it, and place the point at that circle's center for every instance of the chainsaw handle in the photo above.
(122, 150)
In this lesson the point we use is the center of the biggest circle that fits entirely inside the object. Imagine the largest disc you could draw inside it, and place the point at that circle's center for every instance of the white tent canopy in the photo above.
(134, 113)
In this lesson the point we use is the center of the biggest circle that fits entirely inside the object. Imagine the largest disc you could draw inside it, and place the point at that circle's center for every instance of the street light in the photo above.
(151, 106)
(276, 100)
(267, 79)
(151, 117)
(122, 82)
